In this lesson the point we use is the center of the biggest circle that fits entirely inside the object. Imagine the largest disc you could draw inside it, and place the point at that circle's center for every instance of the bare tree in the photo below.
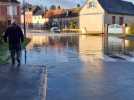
(52, 7)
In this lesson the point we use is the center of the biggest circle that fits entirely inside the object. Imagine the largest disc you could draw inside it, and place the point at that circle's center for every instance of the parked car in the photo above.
(55, 29)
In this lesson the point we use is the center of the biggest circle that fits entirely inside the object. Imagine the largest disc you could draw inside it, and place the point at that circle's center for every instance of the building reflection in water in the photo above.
(115, 45)
(90, 45)
(90, 49)
(53, 41)
(129, 45)
(37, 41)
(51, 46)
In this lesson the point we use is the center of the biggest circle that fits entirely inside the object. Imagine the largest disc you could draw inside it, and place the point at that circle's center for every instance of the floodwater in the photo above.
(83, 67)
(56, 48)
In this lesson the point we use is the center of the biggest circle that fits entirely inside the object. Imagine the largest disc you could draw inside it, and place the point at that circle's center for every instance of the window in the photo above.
(113, 19)
(18, 10)
(12, 10)
(92, 4)
(121, 20)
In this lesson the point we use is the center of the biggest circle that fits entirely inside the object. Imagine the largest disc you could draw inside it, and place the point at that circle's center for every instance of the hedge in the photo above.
(3, 27)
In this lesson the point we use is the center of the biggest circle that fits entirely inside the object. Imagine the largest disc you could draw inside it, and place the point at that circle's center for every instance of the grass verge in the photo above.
(4, 51)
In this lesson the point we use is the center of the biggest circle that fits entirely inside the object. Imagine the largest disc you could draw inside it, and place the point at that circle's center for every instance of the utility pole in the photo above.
(24, 27)
(24, 14)
(60, 16)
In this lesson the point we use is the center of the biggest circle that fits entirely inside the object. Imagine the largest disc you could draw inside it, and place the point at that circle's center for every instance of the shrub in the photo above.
(73, 25)
(130, 30)
(3, 27)
(0, 37)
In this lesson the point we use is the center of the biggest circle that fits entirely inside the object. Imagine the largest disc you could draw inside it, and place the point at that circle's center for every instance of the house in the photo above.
(9, 11)
(70, 18)
(63, 17)
(28, 18)
(33, 19)
(96, 13)
(38, 18)
(51, 16)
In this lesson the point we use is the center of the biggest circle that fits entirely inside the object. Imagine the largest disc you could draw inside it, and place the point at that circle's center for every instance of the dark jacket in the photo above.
(14, 36)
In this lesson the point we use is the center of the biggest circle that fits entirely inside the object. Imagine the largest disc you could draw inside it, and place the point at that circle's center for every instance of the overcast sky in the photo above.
(62, 3)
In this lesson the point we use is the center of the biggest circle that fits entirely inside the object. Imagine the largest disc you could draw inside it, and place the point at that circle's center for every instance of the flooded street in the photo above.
(79, 69)
(60, 48)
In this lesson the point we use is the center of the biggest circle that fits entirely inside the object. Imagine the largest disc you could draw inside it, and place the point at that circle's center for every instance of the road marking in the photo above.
(44, 85)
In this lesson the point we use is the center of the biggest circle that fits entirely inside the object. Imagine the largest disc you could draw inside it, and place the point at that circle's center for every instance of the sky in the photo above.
(62, 3)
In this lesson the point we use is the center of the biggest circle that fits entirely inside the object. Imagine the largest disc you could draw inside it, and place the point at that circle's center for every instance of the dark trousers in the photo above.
(15, 55)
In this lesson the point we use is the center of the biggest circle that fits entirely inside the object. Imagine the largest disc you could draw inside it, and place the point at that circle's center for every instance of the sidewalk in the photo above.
(24, 83)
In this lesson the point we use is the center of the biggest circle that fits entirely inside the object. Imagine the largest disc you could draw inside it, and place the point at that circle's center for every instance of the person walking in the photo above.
(14, 36)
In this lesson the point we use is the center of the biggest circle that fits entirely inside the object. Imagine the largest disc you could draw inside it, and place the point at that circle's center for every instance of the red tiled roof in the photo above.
(51, 13)
(61, 12)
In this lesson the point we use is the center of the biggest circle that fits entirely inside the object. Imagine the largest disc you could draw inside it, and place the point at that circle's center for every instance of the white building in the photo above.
(38, 19)
(96, 13)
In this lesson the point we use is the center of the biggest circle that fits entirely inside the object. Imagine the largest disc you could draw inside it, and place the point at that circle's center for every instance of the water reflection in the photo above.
(90, 44)
(52, 41)
(37, 41)
(115, 45)
(65, 48)
(51, 48)
(129, 45)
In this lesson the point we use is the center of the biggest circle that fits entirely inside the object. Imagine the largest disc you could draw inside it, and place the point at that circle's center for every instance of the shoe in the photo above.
(13, 63)
(18, 65)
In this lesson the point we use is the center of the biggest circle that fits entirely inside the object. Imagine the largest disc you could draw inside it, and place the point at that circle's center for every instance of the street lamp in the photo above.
(24, 14)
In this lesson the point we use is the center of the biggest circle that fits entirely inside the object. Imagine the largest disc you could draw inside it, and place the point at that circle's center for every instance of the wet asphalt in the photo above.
(21, 83)
(103, 81)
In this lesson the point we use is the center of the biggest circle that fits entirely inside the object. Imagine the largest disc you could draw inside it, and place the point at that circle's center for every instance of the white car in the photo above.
(55, 29)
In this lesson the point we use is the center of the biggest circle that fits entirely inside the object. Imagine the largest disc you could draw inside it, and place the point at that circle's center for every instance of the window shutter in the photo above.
(121, 20)
(113, 19)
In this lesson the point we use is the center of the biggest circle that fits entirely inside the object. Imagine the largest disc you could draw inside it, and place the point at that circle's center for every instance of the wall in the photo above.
(91, 23)
(127, 18)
